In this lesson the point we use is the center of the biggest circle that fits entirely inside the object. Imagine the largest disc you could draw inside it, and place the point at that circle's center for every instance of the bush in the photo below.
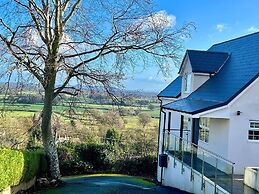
(94, 154)
(144, 166)
(104, 157)
(74, 167)
(112, 136)
(18, 166)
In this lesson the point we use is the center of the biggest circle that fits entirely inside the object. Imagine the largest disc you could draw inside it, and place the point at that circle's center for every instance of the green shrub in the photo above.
(18, 166)
(144, 166)
(112, 136)
(74, 167)
(104, 157)
(94, 154)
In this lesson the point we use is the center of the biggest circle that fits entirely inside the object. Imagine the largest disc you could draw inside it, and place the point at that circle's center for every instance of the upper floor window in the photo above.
(204, 129)
(187, 82)
(253, 132)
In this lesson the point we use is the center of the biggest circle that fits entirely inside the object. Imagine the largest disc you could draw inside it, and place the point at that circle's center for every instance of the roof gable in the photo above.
(240, 70)
(205, 61)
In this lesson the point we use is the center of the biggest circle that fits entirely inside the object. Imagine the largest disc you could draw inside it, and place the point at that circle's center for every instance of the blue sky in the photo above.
(215, 20)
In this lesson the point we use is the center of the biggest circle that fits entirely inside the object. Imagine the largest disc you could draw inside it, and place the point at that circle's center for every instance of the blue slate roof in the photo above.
(205, 61)
(190, 105)
(173, 89)
(240, 70)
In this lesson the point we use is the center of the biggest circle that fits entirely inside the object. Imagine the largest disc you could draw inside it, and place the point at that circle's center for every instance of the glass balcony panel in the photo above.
(214, 167)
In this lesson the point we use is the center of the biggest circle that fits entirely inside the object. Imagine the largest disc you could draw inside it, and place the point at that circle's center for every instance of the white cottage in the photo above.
(209, 120)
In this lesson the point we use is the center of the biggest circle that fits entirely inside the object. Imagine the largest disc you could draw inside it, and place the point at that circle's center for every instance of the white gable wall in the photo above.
(242, 151)
(197, 79)
(221, 112)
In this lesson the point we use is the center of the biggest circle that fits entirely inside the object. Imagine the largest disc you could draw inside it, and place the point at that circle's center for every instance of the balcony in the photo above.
(207, 164)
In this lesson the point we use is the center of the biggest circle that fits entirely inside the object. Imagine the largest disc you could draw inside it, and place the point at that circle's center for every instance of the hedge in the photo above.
(17, 166)
(92, 158)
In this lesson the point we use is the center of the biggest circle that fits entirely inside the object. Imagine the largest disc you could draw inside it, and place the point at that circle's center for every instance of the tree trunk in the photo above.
(47, 133)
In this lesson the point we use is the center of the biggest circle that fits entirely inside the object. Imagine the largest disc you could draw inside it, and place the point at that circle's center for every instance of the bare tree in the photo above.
(67, 44)
(144, 119)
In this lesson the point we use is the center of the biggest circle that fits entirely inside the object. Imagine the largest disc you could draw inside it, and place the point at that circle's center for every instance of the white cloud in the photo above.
(252, 29)
(220, 27)
(162, 20)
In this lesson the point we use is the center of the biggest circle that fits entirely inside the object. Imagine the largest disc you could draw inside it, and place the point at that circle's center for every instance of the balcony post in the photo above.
(181, 127)
(216, 176)
(195, 130)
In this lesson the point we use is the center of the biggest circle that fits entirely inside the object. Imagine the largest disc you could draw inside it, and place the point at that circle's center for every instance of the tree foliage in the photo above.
(144, 119)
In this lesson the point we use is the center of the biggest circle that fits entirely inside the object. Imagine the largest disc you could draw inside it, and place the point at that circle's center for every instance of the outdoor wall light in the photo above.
(238, 112)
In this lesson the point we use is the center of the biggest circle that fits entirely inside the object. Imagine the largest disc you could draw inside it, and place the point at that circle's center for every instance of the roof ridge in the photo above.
(240, 37)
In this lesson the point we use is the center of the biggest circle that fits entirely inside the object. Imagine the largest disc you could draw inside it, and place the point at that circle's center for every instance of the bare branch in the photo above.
(71, 11)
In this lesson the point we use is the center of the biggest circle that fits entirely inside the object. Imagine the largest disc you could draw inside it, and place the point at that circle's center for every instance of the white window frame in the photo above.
(204, 129)
(253, 126)
(187, 82)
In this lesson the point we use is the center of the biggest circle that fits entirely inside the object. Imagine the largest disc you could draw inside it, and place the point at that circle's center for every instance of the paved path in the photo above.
(240, 188)
(110, 184)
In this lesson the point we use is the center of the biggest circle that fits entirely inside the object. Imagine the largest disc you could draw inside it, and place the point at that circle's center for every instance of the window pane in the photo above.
(187, 79)
(254, 124)
(204, 135)
(253, 134)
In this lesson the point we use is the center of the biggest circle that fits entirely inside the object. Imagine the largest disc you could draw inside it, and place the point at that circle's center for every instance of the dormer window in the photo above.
(187, 82)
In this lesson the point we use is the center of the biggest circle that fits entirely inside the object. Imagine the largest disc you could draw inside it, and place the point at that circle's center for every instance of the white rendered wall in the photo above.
(242, 151)
(175, 120)
(218, 137)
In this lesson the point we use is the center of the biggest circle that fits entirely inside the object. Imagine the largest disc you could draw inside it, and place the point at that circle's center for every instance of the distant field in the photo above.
(131, 121)
(29, 109)
(17, 118)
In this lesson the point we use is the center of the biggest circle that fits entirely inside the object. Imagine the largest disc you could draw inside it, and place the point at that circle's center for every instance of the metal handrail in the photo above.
(204, 149)
(190, 147)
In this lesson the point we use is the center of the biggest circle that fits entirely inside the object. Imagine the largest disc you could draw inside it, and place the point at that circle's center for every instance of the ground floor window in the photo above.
(253, 132)
(204, 129)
